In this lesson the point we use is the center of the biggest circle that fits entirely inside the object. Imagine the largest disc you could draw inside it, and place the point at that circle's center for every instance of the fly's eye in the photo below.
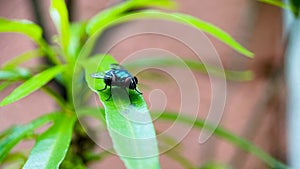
(136, 80)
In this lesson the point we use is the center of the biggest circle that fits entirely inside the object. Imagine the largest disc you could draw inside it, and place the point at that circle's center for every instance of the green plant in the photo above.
(54, 147)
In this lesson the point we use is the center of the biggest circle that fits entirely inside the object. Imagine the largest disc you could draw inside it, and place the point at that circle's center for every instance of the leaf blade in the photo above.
(197, 66)
(59, 15)
(226, 135)
(19, 132)
(112, 13)
(129, 136)
(180, 18)
(52, 146)
(22, 26)
(13, 74)
(32, 85)
(16, 61)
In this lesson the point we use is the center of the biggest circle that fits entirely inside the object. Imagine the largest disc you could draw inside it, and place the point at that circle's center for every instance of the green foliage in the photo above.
(95, 26)
(15, 62)
(22, 26)
(14, 74)
(59, 14)
(193, 65)
(14, 135)
(32, 85)
(56, 143)
(228, 136)
(129, 136)
(100, 21)
(52, 145)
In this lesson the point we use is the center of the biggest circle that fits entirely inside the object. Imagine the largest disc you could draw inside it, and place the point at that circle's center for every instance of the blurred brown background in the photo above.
(254, 109)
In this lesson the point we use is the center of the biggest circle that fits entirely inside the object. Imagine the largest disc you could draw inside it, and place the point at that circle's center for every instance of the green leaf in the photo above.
(226, 135)
(31, 30)
(14, 135)
(14, 160)
(22, 26)
(12, 63)
(280, 4)
(169, 4)
(105, 17)
(179, 158)
(32, 85)
(292, 5)
(94, 112)
(77, 38)
(59, 14)
(52, 145)
(14, 74)
(176, 17)
(193, 65)
(214, 165)
(129, 125)
(6, 132)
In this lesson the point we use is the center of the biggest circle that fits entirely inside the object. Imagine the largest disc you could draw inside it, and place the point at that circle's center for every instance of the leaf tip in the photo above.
(251, 55)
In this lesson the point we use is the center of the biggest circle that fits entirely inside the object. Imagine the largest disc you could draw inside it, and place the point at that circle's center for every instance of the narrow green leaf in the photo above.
(31, 30)
(14, 74)
(52, 145)
(77, 38)
(292, 5)
(22, 26)
(106, 16)
(169, 4)
(193, 65)
(32, 85)
(6, 132)
(129, 125)
(14, 160)
(280, 4)
(176, 17)
(179, 158)
(12, 63)
(59, 14)
(226, 135)
(15, 134)
(215, 165)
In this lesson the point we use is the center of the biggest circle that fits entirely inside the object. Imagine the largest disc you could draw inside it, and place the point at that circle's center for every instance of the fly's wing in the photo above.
(115, 66)
(98, 75)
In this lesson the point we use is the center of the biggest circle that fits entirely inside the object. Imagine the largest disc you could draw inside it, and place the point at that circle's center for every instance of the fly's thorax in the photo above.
(121, 78)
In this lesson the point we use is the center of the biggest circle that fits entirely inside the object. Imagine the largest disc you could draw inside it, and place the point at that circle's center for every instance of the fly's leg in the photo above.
(103, 88)
(130, 99)
(109, 93)
(138, 91)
